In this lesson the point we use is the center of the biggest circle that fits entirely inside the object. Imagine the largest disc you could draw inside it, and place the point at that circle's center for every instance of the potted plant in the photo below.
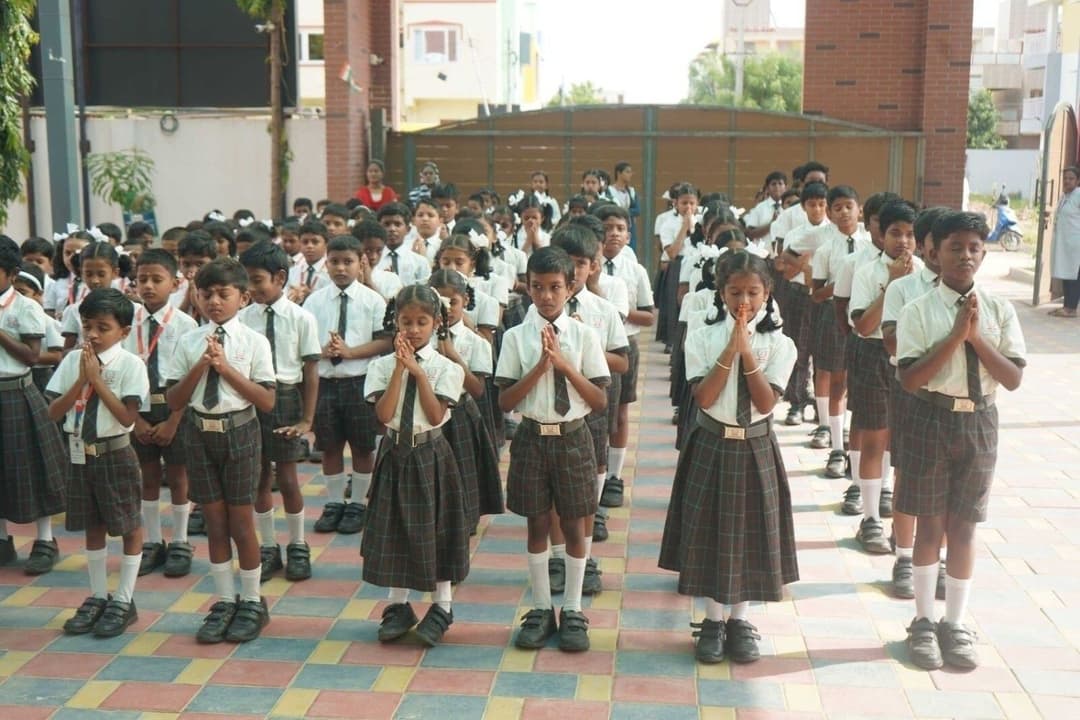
(124, 178)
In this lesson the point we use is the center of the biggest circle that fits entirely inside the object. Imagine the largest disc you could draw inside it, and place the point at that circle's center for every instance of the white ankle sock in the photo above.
(443, 594)
(924, 578)
(264, 521)
(558, 551)
(822, 410)
(871, 497)
(295, 521)
(713, 610)
(224, 582)
(180, 515)
(361, 483)
(836, 430)
(600, 478)
(335, 487)
(739, 611)
(44, 528)
(95, 568)
(397, 596)
(854, 456)
(616, 457)
(151, 517)
(540, 580)
(129, 570)
(249, 584)
(886, 471)
(575, 579)
(903, 552)
(957, 592)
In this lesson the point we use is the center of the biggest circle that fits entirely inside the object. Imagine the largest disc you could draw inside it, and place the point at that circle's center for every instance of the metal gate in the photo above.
(1059, 150)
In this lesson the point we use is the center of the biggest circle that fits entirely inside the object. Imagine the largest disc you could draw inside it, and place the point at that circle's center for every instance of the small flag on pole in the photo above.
(346, 76)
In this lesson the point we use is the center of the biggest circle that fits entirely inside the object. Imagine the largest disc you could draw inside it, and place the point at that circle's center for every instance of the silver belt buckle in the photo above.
(550, 430)
(214, 426)
(91, 449)
(157, 399)
(964, 405)
(734, 433)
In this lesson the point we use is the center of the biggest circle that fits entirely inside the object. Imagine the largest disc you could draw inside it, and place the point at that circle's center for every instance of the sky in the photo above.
(640, 51)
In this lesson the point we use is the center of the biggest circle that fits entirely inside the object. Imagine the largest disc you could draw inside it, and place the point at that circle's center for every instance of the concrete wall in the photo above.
(209, 162)
(1018, 169)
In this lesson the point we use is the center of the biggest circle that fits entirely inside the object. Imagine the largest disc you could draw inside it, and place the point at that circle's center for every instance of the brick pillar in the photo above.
(354, 30)
(898, 65)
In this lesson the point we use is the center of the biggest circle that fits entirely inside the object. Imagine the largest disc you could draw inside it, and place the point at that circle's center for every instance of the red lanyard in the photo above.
(71, 290)
(80, 408)
(145, 353)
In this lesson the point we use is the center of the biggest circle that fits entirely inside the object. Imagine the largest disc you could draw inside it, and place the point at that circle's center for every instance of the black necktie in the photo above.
(974, 382)
(850, 244)
(310, 275)
(152, 361)
(212, 392)
(562, 392)
(405, 431)
(393, 261)
(609, 265)
(342, 323)
(270, 335)
(742, 401)
(572, 306)
(89, 421)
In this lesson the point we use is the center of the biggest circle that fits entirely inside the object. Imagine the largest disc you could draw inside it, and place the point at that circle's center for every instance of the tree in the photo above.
(770, 82)
(16, 38)
(579, 94)
(982, 122)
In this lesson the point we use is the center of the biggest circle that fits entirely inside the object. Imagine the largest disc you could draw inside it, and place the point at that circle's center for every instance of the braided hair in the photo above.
(422, 296)
(447, 279)
(480, 256)
(741, 262)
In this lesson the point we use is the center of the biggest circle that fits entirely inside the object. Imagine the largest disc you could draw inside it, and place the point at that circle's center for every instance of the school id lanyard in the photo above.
(71, 290)
(80, 409)
(146, 352)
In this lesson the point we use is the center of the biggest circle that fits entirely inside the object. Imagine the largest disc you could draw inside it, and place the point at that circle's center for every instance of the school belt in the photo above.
(223, 423)
(107, 445)
(17, 383)
(734, 432)
(799, 288)
(418, 439)
(158, 399)
(550, 429)
(955, 404)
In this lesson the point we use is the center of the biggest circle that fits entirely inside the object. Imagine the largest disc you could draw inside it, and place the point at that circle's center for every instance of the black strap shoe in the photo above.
(536, 627)
(178, 558)
(434, 625)
(612, 496)
(592, 585)
(43, 556)
(352, 519)
(216, 622)
(710, 643)
(251, 617)
(330, 518)
(741, 644)
(573, 631)
(115, 619)
(557, 574)
(86, 616)
(599, 528)
(196, 521)
(270, 559)
(298, 561)
(397, 619)
(7, 551)
(153, 557)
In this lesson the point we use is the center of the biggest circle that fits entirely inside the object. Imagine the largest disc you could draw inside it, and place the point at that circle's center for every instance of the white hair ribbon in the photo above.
(72, 228)
(445, 302)
(477, 239)
(244, 222)
(708, 252)
(96, 233)
(215, 216)
(516, 197)
(268, 224)
(30, 279)
(59, 237)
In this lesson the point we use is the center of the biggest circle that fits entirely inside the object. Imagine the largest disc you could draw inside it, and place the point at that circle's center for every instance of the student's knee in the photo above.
(961, 532)
(573, 529)
(929, 529)
(539, 526)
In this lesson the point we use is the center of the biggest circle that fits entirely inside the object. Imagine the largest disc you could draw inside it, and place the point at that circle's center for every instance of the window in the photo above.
(435, 44)
(311, 47)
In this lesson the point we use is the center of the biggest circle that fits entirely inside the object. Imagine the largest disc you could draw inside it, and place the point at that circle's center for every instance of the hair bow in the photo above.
(708, 252)
(350, 222)
(516, 197)
(268, 224)
(216, 216)
(59, 237)
(738, 212)
(541, 196)
(244, 222)
(477, 239)
(96, 233)
(445, 301)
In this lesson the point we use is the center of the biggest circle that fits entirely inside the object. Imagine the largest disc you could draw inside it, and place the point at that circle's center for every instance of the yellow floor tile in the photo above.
(913, 678)
(594, 687)
(159, 716)
(358, 610)
(189, 602)
(24, 596)
(607, 600)
(278, 586)
(803, 698)
(199, 671)
(503, 708)
(1017, 706)
(71, 563)
(295, 702)
(789, 646)
(394, 679)
(57, 623)
(613, 566)
(721, 671)
(92, 694)
(717, 713)
(328, 652)
(517, 660)
(605, 639)
(13, 660)
(145, 644)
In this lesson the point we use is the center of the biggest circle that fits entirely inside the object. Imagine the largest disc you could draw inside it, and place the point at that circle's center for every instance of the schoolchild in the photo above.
(223, 237)
(97, 392)
(870, 388)
(336, 219)
(292, 334)
(445, 197)
(29, 283)
(31, 450)
(553, 370)
(39, 252)
(223, 371)
(170, 240)
(622, 193)
(954, 347)
(67, 288)
(534, 214)
(470, 429)
(592, 186)
(195, 250)
(372, 237)
(417, 534)
(505, 261)
(899, 295)
(156, 330)
(98, 266)
(428, 229)
(351, 333)
(289, 232)
(609, 287)
(142, 232)
(309, 273)
(541, 189)
(730, 474)
(411, 268)
(459, 253)
(759, 220)
(585, 306)
(253, 234)
(675, 245)
(617, 262)
(302, 207)
(795, 215)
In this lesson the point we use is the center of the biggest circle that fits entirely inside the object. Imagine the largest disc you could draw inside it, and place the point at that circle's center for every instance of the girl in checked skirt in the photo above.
(417, 534)
(729, 531)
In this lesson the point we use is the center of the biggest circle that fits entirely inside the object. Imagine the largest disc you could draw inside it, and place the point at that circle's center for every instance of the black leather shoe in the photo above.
(86, 616)
(178, 558)
(710, 643)
(330, 518)
(352, 519)
(573, 631)
(115, 619)
(599, 528)
(270, 559)
(434, 625)
(251, 617)
(557, 574)
(741, 643)
(592, 585)
(216, 622)
(298, 561)
(7, 551)
(397, 619)
(536, 627)
(153, 557)
(612, 496)
(42, 558)
(196, 522)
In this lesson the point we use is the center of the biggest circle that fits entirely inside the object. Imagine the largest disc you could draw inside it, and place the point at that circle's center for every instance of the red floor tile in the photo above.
(323, 588)
(453, 682)
(637, 599)
(255, 672)
(670, 691)
(298, 627)
(27, 640)
(989, 679)
(186, 646)
(498, 561)
(496, 594)
(65, 665)
(839, 700)
(593, 662)
(543, 709)
(389, 654)
(654, 640)
(777, 669)
(354, 705)
(22, 712)
(150, 697)
(464, 633)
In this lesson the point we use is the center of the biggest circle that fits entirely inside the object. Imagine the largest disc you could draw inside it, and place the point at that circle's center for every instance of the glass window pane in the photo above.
(315, 47)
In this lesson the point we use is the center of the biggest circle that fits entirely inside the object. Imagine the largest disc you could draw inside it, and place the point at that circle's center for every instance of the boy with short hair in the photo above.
(372, 237)
(954, 347)
(39, 251)
(97, 392)
(224, 372)
(553, 370)
(350, 324)
(142, 232)
(336, 219)
(158, 327)
(445, 196)
(413, 269)
(309, 273)
(292, 334)
(759, 220)
(301, 208)
(195, 250)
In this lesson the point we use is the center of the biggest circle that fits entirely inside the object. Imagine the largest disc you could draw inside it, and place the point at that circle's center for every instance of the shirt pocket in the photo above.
(991, 331)
(239, 358)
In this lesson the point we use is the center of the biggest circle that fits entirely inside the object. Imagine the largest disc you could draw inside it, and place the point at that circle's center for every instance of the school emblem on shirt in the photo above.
(762, 355)
(12, 322)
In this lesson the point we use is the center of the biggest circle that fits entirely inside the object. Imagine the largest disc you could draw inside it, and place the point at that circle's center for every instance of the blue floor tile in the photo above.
(84, 714)
(146, 669)
(649, 711)
(484, 576)
(336, 677)
(415, 706)
(654, 663)
(37, 691)
(638, 550)
(178, 623)
(736, 693)
(933, 703)
(485, 613)
(64, 579)
(472, 657)
(506, 546)
(328, 607)
(235, 699)
(354, 630)
(337, 571)
(156, 601)
(657, 583)
(27, 617)
(535, 684)
(637, 619)
(268, 648)
(91, 644)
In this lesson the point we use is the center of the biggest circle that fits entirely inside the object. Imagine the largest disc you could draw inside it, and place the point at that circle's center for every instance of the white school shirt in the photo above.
(495, 286)
(412, 268)
(929, 320)
(601, 316)
(54, 339)
(177, 298)
(845, 273)
(125, 376)
(296, 336)
(516, 259)
(446, 377)
(696, 301)
(71, 323)
(485, 311)
(761, 215)
(505, 271)
(431, 245)
(834, 248)
(868, 285)
(21, 319)
(774, 351)
(472, 347)
(791, 218)
(173, 323)
(807, 238)
(363, 323)
(638, 286)
(245, 350)
(522, 350)
(55, 298)
(670, 230)
(613, 289)
(298, 274)
(903, 291)
(689, 260)
(385, 283)
(543, 239)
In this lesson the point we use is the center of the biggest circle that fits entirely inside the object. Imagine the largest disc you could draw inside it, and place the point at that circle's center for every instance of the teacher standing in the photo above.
(1065, 262)
(373, 194)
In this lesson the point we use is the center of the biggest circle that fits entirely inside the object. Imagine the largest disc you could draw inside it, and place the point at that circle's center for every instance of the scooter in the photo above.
(1005, 232)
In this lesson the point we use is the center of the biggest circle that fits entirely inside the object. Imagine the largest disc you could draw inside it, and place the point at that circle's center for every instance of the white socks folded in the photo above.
(540, 580)
(616, 458)
(836, 431)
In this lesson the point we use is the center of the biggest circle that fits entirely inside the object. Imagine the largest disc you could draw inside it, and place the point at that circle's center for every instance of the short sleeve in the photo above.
(450, 383)
(378, 314)
(479, 360)
(863, 291)
(378, 377)
(64, 377)
(593, 361)
(69, 324)
(644, 293)
(617, 338)
(894, 304)
(696, 356)
(509, 370)
(821, 263)
(844, 276)
(308, 330)
(33, 322)
(181, 361)
(499, 289)
(262, 362)
(135, 383)
(782, 356)
(911, 341)
(1012, 343)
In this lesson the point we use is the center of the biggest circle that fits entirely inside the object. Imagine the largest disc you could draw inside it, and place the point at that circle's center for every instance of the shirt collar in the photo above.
(949, 296)
(427, 351)
(230, 325)
(278, 305)
(352, 290)
(561, 322)
(6, 295)
(927, 274)
(107, 356)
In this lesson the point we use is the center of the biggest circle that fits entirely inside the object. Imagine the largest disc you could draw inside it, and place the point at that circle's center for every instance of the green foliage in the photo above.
(258, 9)
(16, 38)
(982, 122)
(579, 94)
(770, 82)
(123, 178)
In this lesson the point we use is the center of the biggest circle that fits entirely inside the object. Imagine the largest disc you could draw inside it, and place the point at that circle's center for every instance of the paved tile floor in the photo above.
(833, 648)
